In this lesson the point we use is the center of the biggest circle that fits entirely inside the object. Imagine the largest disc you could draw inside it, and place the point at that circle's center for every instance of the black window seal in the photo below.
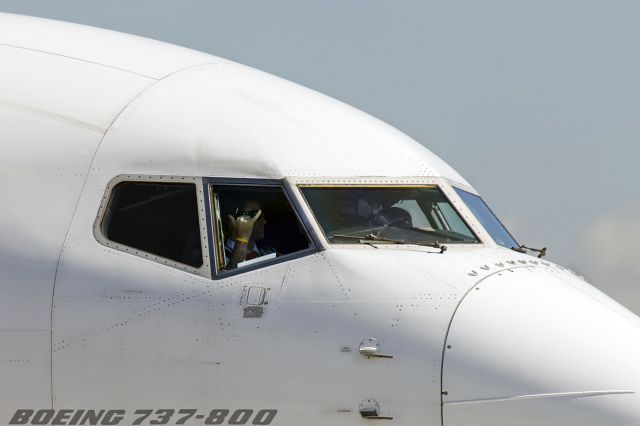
(314, 242)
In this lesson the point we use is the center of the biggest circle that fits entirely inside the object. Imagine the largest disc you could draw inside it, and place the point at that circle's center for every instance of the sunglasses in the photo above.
(250, 213)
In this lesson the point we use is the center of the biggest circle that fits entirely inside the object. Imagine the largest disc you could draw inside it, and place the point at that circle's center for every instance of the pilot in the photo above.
(247, 227)
(393, 216)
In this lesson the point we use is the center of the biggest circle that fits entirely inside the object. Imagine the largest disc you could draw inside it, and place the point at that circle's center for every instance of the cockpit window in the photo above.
(489, 221)
(253, 225)
(397, 215)
(156, 218)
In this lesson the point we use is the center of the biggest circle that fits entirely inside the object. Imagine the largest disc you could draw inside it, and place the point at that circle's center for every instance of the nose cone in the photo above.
(540, 347)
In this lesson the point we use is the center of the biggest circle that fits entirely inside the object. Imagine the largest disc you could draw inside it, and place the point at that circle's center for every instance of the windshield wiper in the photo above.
(523, 249)
(368, 237)
(373, 237)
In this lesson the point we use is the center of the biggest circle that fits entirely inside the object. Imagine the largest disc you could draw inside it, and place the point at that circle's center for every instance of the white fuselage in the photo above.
(480, 334)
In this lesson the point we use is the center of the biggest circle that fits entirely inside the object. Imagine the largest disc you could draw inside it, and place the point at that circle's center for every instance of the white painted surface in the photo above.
(73, 92)
(39, 187)
(138, 55)
(53, 114)
(131, 333)
(235, 121)
(565, 355)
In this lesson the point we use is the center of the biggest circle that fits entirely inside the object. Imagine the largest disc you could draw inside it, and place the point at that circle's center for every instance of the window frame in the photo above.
(208, 183)
(203, 270)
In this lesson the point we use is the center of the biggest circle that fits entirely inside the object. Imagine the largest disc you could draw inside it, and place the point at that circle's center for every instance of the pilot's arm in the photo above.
(241, 231)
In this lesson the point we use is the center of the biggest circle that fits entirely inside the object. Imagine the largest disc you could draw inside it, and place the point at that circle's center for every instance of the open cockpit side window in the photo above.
(254, 225)
(157, 219)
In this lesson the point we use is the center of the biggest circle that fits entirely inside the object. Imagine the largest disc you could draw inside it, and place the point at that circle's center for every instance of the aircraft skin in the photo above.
(479, 335)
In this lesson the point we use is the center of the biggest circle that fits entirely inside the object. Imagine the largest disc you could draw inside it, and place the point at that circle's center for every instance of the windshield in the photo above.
(488, 220)
(400, 215)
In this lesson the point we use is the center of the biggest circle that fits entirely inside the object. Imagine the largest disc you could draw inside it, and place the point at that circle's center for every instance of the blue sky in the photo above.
(535, 103)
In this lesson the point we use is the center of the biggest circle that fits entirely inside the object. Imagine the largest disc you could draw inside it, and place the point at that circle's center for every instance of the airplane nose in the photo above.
(540, 347)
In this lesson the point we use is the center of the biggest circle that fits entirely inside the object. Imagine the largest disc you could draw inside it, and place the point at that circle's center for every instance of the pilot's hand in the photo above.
(242, 226)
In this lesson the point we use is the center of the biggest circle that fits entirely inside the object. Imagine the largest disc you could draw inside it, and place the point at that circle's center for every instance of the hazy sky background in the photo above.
(536, 103)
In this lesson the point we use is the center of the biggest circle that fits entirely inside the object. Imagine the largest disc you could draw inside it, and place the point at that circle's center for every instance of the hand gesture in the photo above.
(242, 226)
